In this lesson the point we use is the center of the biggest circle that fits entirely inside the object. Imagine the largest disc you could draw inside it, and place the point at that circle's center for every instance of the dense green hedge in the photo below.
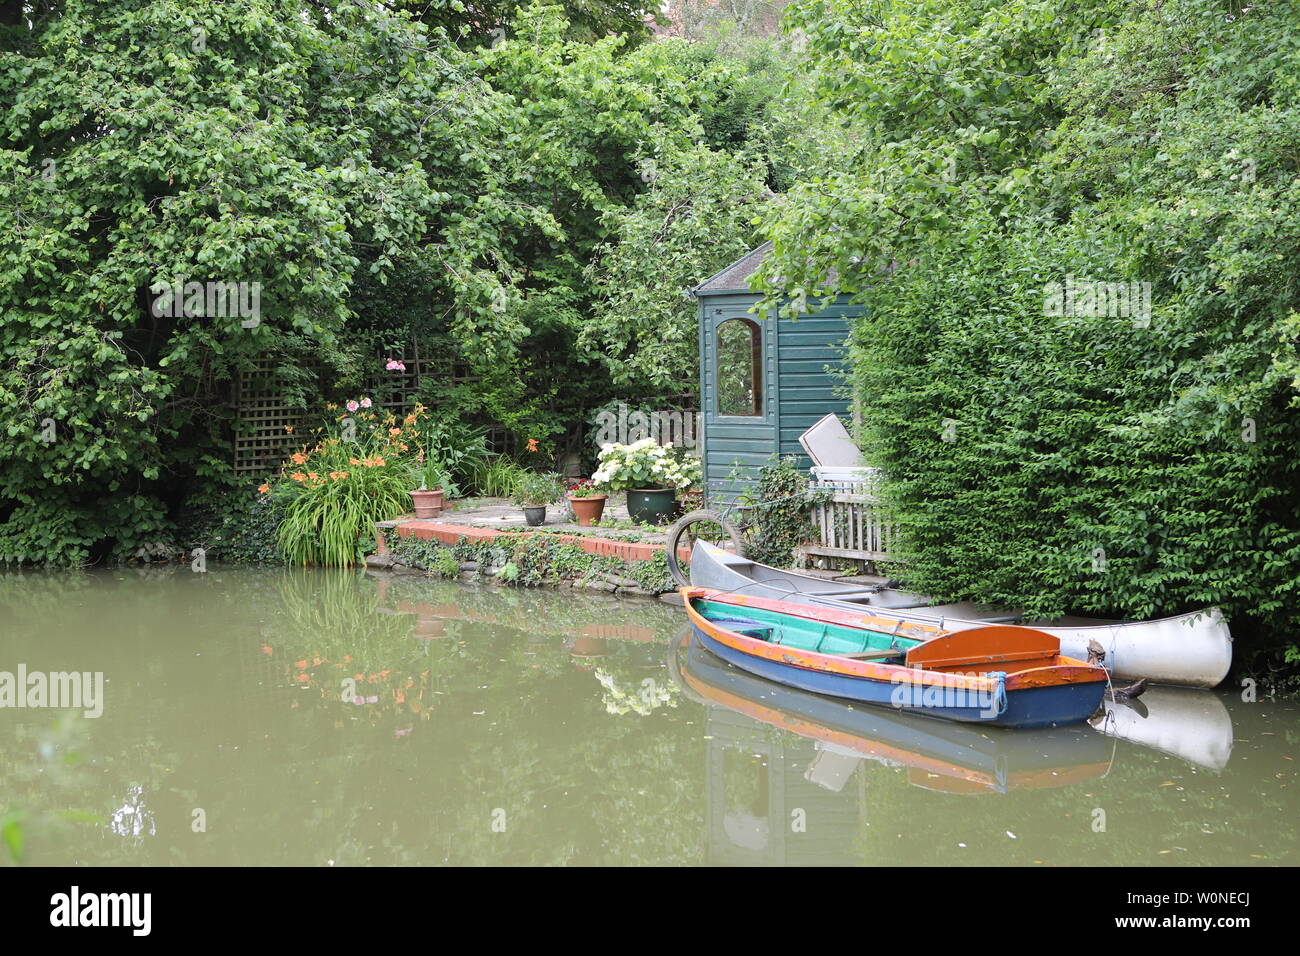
(1077, 464)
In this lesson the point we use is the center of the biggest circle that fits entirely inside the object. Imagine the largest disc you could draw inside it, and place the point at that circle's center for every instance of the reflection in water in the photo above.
(789, 801)
(133, 819)
(1184, 721)
(319, 716)
(767, 792)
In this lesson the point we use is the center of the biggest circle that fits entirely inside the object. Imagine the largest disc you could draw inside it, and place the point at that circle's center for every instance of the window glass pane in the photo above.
(740, 368)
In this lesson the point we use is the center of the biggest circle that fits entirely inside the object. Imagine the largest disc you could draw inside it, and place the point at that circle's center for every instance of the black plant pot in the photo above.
(535, 516)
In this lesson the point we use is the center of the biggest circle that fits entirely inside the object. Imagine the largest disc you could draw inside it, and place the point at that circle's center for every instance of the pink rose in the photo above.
(353, 406)
(365, 403)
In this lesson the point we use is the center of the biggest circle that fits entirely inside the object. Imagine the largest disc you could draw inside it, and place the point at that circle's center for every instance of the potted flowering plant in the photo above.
(587, 502)
(534, 490)
(431, 483)
(651, 473)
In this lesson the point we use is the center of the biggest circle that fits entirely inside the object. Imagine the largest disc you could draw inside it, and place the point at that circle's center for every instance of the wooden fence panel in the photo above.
(852, 524)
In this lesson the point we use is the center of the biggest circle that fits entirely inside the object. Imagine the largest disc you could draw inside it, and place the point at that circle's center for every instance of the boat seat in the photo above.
(746, 627)
(837, 592)
(875, 655)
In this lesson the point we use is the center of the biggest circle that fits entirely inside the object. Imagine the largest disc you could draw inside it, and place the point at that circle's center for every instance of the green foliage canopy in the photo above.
(1117, 464)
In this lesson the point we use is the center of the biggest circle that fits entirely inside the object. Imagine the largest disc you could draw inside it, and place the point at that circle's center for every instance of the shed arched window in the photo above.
(740, 368)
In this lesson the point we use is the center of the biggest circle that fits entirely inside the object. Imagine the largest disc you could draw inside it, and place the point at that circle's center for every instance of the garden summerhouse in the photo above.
(763, 381)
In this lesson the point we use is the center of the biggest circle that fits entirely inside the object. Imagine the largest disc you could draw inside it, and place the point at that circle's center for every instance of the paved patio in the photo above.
(503, 514)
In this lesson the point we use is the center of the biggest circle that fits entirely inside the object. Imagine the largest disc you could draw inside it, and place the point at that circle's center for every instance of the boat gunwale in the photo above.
(1213, 612)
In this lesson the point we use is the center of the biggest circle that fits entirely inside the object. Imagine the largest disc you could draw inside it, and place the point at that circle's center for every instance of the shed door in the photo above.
(739, 399)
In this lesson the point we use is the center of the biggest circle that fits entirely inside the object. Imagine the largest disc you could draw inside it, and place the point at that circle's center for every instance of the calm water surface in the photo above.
(313, 717)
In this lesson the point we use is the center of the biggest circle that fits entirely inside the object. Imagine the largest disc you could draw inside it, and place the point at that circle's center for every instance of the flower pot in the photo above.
(588, 510)
(428, 502)
(652, 505)
(535, 516)
(585, 646)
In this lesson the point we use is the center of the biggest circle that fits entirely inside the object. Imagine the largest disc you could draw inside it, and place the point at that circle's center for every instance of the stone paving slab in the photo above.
(501, 513)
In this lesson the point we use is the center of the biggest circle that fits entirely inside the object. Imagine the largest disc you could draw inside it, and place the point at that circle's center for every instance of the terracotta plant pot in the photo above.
(588, 510)
(652, 505)
(427, 501)
(535, 516)
(584, 646)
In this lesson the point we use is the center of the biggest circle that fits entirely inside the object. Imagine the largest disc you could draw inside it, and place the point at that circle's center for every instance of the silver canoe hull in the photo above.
(1193, 649)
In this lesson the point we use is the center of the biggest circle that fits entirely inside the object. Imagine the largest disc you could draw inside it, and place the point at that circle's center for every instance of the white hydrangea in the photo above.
(645, 464)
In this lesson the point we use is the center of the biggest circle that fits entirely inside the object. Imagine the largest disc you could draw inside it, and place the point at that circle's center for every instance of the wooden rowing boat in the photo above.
(939, 755)
(1193, 649)
(998, 675)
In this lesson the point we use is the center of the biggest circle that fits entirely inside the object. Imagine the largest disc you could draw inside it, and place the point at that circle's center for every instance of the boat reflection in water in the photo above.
(1186, 722)
(757, 779)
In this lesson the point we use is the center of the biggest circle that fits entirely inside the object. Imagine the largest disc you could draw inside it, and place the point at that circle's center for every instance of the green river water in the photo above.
(321, 718)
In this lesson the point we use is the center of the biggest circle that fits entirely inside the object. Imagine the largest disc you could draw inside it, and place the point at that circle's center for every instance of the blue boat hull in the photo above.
(1026, 707)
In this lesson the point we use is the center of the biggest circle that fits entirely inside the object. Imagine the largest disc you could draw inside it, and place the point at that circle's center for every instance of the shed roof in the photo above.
(736, 275)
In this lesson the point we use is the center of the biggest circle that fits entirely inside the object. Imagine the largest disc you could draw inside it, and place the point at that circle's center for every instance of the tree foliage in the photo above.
(696, 216)
(152, 141)
(1131, 464)
(374, 175)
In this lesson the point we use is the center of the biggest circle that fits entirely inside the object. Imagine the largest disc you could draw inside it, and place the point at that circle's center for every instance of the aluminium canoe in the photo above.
(1193, 649)
(998, 675)
(938, 755)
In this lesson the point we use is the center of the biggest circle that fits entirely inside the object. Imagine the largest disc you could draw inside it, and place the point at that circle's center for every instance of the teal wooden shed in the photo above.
(763, 381)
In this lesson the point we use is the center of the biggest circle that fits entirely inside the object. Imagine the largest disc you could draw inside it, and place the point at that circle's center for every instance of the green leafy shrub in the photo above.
(237, 526)
(444, 563)
(780, 522)
(532, 489)
(455, 449)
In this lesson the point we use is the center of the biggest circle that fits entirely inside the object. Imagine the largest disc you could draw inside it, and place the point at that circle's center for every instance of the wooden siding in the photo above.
(807, 348)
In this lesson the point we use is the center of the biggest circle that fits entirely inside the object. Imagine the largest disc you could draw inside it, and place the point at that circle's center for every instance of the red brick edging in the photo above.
(427, 528)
